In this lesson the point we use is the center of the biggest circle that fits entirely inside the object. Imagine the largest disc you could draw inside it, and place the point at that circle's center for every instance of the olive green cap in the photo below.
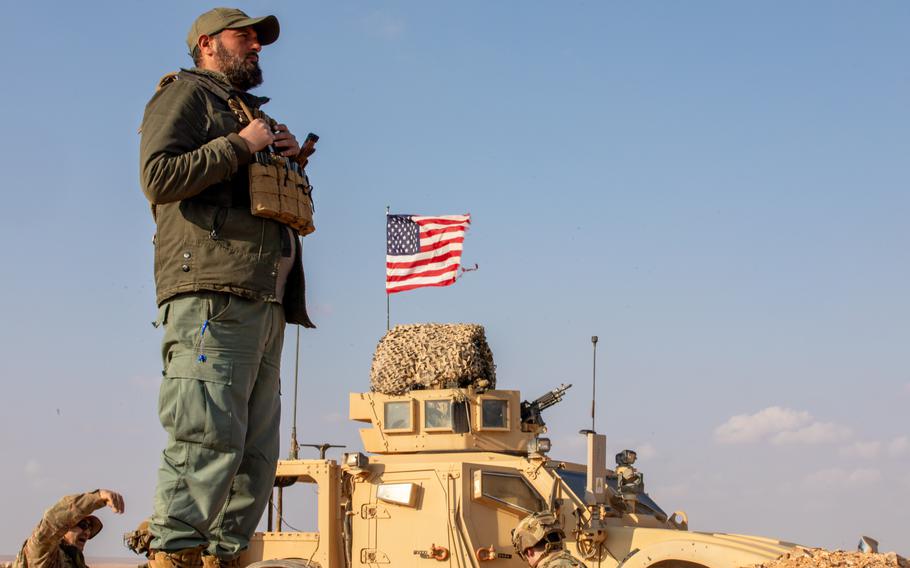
(219, 19)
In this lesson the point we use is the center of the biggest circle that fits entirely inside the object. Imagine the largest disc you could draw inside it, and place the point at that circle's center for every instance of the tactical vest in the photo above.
(279, 188)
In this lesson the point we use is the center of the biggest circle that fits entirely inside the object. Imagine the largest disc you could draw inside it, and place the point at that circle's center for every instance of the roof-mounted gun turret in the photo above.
(531, 418)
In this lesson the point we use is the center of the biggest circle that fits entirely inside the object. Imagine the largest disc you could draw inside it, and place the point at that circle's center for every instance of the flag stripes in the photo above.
(423, 250)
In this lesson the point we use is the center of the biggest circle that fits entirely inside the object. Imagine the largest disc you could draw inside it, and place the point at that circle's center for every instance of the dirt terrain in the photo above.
(820, 558)
(6, 561)
(805, 558)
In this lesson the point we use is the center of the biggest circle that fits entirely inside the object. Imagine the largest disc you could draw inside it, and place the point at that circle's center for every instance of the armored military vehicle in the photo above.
(447, 473)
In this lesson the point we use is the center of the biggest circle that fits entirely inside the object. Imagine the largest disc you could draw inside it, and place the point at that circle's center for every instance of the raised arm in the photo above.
(40, 549)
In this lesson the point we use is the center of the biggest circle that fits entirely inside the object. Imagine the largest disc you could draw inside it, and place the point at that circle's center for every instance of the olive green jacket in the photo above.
(193, 170)
(45, 547)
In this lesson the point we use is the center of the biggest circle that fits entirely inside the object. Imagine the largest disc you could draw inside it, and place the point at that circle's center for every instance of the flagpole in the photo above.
(387, 295)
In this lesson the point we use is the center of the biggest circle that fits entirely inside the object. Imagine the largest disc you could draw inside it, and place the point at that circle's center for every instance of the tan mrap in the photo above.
(445, 476)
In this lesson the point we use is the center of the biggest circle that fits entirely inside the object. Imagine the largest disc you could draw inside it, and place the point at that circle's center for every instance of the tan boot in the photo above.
(139, 540)
(209, 561)
(186, 558)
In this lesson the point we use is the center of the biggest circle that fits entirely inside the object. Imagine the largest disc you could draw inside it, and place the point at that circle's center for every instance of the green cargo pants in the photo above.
(219, 404)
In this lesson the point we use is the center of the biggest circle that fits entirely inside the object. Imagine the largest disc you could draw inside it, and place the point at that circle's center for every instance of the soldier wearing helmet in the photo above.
(539, 540)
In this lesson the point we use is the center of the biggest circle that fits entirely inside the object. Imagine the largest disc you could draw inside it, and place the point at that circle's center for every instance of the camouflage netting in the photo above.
(819, 558)
(432, 356)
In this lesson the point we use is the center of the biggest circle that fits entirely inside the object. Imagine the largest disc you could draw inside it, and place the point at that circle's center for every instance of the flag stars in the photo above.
(431, 260)
(403, 235)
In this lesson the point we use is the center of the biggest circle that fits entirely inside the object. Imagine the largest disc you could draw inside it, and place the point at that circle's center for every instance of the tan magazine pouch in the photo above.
(280, 189)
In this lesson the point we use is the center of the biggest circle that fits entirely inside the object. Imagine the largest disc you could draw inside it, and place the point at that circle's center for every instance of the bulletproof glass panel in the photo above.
(437, 414)
(575, 480)
(399, 493)
(510, 490)
(398, 416)
(494, 413)
(461, 417)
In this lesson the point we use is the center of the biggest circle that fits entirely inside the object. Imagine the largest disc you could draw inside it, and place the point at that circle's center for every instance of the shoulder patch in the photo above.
(166, 80)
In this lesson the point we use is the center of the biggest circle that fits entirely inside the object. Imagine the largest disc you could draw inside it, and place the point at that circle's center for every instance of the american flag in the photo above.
(423, 250)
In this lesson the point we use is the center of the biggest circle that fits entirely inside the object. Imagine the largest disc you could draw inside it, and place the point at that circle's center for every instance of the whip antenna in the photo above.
(593, 380)
(387, 295)
(295, 447)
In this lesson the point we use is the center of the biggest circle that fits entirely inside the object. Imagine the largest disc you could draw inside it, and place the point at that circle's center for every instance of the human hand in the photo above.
(286, 142)
(257, 135)
(112, 499)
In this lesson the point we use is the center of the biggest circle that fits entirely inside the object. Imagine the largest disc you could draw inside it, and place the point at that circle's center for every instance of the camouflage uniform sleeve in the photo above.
(177, 158)
(41, 548)
(563, 559)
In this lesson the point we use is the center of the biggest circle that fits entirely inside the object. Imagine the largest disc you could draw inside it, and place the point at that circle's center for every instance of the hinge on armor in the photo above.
(374, 512)
(373, 556)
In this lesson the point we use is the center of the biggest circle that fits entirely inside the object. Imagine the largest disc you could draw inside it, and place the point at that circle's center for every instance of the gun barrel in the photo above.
(552, 397)
(530, 411)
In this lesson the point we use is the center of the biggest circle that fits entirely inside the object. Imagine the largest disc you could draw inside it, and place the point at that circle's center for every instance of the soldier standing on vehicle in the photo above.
(539, 540)
(60, 537)
(227, 282)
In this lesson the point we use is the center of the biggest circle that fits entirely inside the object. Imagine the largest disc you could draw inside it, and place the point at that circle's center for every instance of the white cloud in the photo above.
(780, 426)
(870, 450)
(898, 446)
(321, 309)
(32, 467)
(675, 491)
(573, 442)
(35, 475)
(646, 451)
(334, 417)
(861, 450)
(384, 25)
(815, 433)
(834, 479)
(745, 428)
(146, 382)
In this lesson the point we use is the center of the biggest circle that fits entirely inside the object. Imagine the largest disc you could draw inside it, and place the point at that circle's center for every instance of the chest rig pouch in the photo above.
(279, 187)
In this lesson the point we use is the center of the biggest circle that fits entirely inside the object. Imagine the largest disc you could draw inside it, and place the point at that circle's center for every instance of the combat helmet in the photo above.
(538, 527)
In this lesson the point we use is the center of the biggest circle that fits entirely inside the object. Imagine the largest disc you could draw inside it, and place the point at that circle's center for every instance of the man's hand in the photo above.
(112, 499)
(286, 142)
(258, 135)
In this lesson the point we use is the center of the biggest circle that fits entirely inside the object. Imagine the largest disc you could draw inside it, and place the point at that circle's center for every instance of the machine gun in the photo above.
(531, 411)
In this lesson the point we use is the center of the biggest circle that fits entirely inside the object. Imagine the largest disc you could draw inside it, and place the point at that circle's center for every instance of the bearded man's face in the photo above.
(236, 53)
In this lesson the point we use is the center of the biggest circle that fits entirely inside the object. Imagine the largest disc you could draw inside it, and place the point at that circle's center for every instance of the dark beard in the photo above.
(242, 74)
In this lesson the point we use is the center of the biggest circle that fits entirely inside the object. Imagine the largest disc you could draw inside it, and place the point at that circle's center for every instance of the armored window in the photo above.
(398, 417)
(576, 480)
(461, 417)
(437, 415)
(506, 490)
(398, 493)
(494, 414)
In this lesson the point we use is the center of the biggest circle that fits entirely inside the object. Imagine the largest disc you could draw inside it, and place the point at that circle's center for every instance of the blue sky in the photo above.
(719, 190)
